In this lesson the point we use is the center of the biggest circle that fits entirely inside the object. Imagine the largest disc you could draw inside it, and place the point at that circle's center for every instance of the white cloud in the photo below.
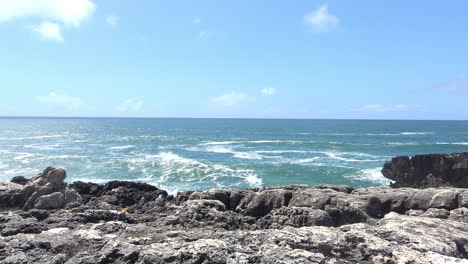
(321, 20)
(61, 100)
(268, 91)
(230, 99)
(196, 20)
(61, 12)
(385, 108)
(49, 30)
(112, 20)
(68, 12)
(130, 106)
(203, 35)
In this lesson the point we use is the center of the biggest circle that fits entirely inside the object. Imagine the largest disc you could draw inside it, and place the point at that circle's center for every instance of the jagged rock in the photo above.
(436, 213)
(86, 190)
(69, 197)
(261, 203)
(432, 170)
(20, 180)
(9, 194)
(126, 194)
(459, 214)
(47, 190)
(125, 222)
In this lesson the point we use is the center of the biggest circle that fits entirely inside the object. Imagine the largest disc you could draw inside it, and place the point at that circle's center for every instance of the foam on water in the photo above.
(122, 147)
(248, 155)
(373, 175)
(185, 154)
(164, 168)
(452, 143)
(417, 133)
(219, 143)
(402, 143)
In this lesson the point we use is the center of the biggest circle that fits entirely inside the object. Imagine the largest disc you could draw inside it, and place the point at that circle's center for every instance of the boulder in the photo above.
(432, 170)
(19, 180)
(47, 190)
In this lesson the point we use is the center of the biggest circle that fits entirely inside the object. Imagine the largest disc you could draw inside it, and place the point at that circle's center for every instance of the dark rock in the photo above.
(260, 203)
(126, 222)
(432, 170)
(86, 190)
(20, 180)
(125, 194)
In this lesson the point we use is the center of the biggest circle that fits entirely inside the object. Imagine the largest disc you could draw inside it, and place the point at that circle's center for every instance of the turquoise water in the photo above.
(182, 154)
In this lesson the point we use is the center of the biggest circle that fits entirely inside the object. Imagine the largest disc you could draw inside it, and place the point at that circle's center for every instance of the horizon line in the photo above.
(228, 118)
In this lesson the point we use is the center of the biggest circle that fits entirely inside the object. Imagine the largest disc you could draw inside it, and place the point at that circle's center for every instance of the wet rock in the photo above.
(432, 170)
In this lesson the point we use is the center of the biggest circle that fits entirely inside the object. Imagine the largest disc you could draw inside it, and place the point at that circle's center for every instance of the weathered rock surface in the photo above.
(127, 222)
(433, 170)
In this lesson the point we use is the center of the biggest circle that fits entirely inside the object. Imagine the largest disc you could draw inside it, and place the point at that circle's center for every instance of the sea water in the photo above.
(189, 154)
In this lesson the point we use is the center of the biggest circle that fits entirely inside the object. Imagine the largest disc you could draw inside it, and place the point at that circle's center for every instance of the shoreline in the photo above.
(45, 220)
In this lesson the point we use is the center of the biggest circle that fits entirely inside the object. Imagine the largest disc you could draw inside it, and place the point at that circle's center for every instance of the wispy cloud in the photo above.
(130, 106)
(386, 108)
(54, 14)
(61, 100)
(321, 20)
(204, 35)
(268, 91)
(457, 84)
(50, 31)
(112, 20)
(196, 20)
(229, 100)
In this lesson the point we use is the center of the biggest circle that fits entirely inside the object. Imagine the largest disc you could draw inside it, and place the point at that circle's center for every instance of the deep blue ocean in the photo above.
(183, 154)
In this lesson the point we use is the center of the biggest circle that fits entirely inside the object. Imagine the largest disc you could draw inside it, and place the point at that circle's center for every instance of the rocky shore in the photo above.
(45, 220)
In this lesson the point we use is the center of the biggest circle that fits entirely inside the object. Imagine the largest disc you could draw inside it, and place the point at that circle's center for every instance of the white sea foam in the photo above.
(452, 143)
(402, 143)
(229, 150)
(32, 137)
(338, 157)
(23, 156)
(255, 142)
(400, 134)
(122, 147)
(383, 134)
(306, 160)
(170, 168)
(417, 133)
(42, 147)
(219, 149)
(281, 151)
(219, 143)
(373, 175)
(338, 134)
(248, 155)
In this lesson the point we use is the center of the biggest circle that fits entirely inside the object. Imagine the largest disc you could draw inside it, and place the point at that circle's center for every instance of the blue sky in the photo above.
(211, 58)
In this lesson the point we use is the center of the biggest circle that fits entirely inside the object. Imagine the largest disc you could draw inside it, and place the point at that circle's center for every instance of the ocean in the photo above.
(188, 154)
